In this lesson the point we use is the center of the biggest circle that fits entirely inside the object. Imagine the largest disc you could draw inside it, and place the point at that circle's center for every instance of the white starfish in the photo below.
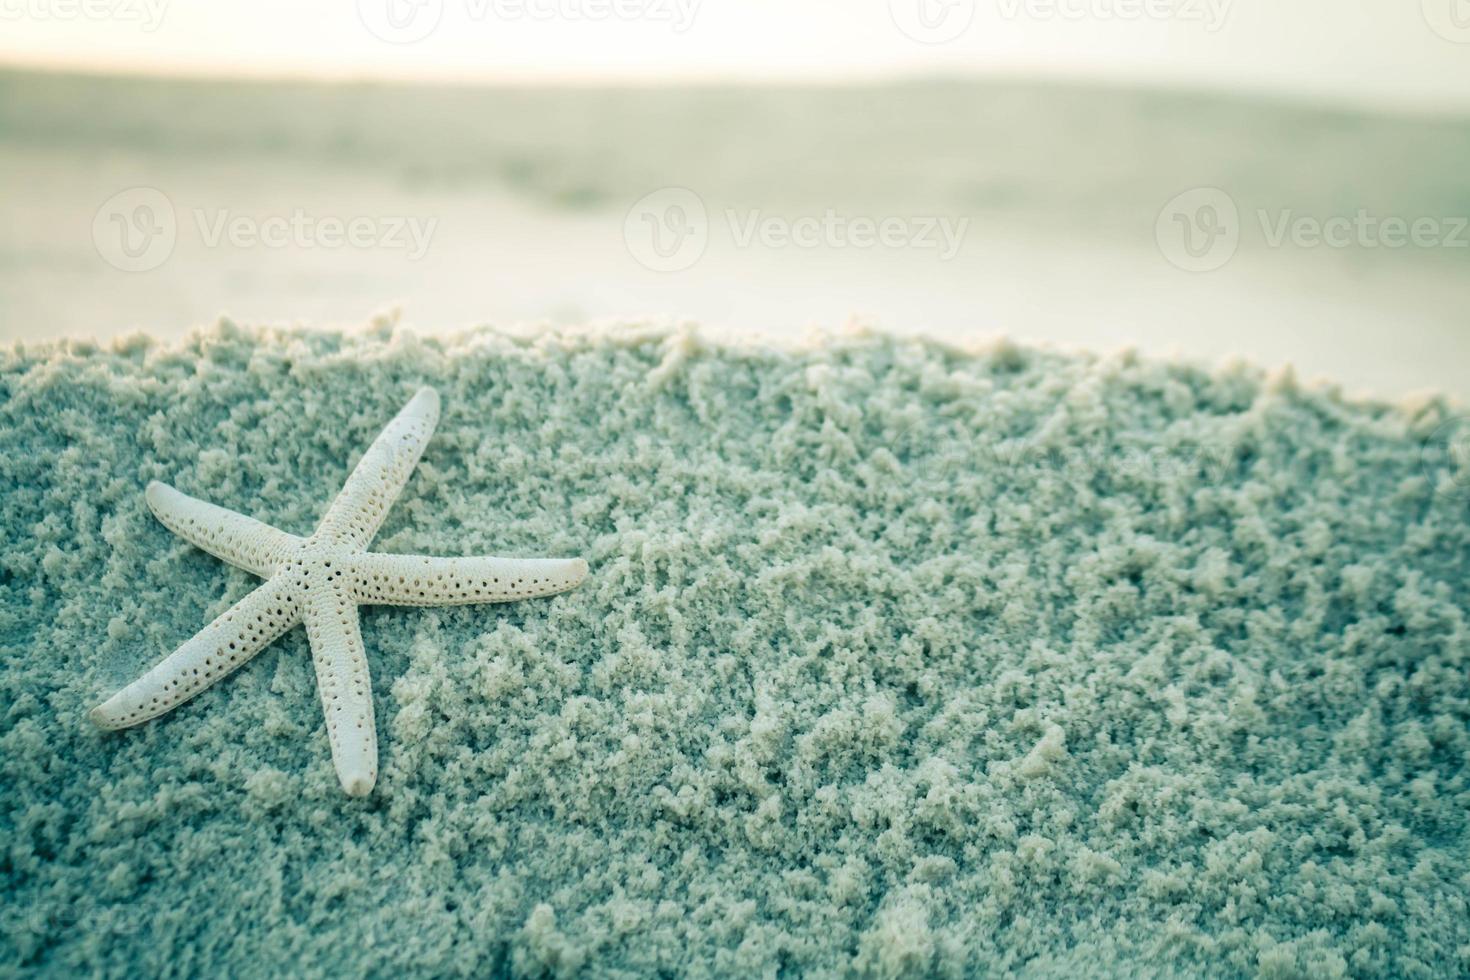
(321, 580)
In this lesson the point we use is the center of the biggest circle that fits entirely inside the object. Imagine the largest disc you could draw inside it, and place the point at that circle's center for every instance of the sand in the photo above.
(894, 660)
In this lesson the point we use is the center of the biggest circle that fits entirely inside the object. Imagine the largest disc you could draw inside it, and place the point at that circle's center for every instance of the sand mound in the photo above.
(893, 659)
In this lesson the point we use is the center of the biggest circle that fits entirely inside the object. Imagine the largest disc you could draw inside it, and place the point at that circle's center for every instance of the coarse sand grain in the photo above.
(894, 659)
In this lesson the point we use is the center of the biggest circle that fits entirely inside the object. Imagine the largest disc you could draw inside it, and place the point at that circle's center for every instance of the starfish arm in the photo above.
(378, 479)
(214, 652)
(417, 580)
(242, 541)
(344, 685)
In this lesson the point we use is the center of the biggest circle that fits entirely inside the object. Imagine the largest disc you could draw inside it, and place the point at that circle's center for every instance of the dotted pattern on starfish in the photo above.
(320, 581)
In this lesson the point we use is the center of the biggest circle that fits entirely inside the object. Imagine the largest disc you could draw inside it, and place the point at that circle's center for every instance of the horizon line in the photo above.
(1118, 81)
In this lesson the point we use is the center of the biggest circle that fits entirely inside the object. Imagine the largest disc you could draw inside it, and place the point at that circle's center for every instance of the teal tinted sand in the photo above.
(893, 659)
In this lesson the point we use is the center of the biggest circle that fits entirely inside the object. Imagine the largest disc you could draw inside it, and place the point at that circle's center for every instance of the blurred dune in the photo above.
(1061, 187)
(1068, 156)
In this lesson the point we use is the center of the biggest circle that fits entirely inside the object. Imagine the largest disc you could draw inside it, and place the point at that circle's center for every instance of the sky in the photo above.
(1412, 54)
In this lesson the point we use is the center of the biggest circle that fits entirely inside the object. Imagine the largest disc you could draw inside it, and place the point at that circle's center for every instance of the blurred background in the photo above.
(1288, 182)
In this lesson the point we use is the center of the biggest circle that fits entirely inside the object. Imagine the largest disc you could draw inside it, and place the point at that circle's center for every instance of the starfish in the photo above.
(321, 580)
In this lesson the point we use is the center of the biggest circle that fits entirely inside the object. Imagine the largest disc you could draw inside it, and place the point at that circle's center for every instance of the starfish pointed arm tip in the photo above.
(420, 580)
(358, 510)
(208, 656)
(357, 785)
(345, 688)
(242, 541)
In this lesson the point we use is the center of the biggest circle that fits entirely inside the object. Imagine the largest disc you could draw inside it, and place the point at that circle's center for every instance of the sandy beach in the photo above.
(1005, 523)
(894, 659)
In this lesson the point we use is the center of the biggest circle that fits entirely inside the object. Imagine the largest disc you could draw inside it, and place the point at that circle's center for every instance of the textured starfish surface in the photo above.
(320, 581)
